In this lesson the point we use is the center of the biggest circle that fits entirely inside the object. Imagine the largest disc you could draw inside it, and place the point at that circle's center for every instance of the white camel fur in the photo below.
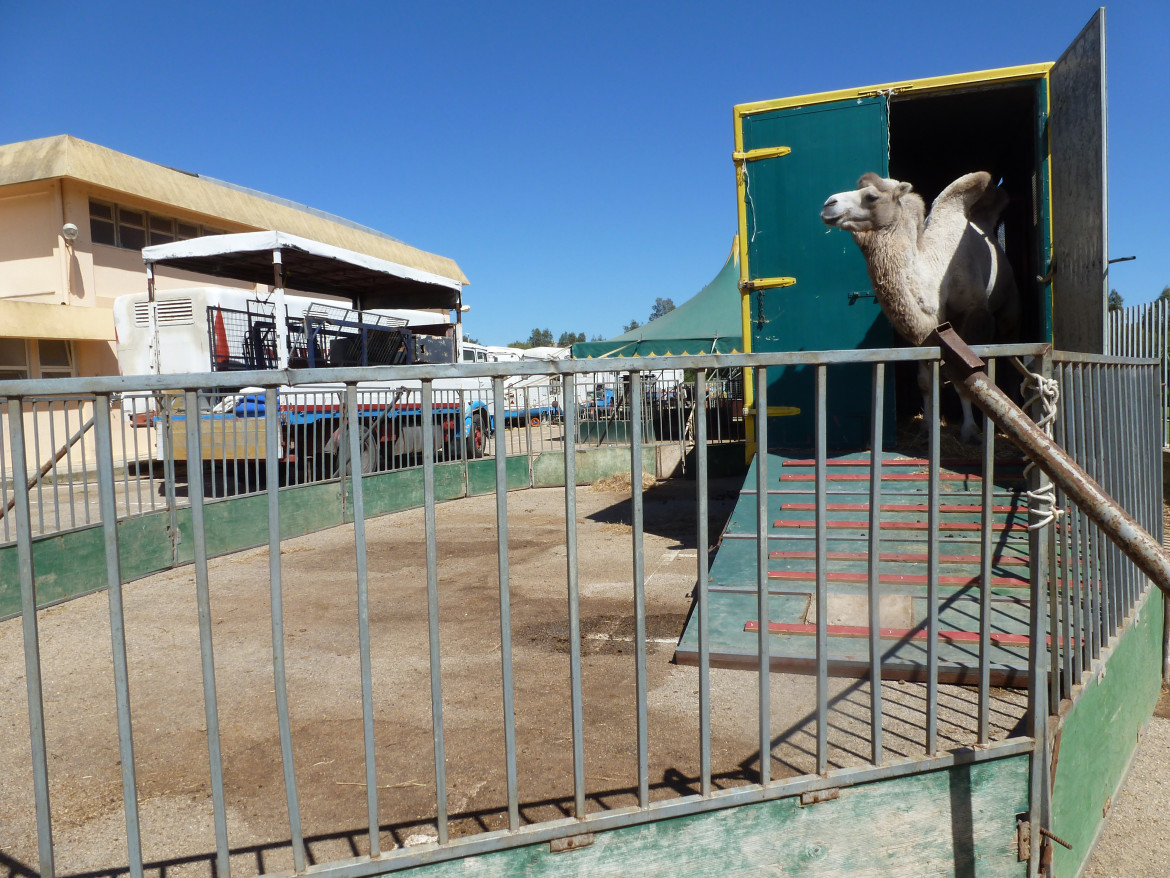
(927, 270)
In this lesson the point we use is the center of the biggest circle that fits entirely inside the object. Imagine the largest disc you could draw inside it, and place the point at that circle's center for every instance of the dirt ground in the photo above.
(320, 612)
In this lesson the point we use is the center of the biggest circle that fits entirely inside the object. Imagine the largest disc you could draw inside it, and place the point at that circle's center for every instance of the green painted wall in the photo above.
(1099, 734)
(481, 475)
(548, 468)
(959, 822)
(73, 563)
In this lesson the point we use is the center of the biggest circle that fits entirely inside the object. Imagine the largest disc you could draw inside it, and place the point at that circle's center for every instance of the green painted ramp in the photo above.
(903, 570)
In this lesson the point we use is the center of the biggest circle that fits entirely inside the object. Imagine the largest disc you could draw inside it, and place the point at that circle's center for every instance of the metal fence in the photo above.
(1144, 331)
(148, 436)
(1081, 591)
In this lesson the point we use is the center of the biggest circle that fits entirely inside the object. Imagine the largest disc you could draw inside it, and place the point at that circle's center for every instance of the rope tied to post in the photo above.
(1036, 388)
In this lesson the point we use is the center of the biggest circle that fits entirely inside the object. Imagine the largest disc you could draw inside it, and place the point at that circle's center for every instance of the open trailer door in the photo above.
(806, 286)
(1080, 226)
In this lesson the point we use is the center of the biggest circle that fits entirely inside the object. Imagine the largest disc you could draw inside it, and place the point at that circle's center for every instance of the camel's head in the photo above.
(876, 203)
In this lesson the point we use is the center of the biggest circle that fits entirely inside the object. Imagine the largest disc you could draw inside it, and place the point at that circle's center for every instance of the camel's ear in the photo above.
(903, 190)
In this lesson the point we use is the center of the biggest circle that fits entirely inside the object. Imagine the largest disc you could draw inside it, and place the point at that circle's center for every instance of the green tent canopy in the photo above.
(707, 323)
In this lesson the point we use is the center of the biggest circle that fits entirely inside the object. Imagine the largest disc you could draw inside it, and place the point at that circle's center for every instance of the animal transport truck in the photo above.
(218, 329)
(1038, 129)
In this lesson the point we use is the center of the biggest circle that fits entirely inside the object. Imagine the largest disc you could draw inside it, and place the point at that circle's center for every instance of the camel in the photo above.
(927, 270)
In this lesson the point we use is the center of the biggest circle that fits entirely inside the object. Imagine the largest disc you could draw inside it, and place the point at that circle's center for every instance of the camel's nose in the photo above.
(830, 201)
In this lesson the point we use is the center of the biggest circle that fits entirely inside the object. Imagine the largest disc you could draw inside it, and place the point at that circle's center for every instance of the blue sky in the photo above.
(575, 159)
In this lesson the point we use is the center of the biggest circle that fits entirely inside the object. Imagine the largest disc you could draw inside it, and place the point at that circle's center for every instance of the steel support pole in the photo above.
(1116, 522)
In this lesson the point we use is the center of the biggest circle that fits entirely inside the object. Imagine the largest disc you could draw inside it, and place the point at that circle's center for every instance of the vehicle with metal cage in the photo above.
(222, 329)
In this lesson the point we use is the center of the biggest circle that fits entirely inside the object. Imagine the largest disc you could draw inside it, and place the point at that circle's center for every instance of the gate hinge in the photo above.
(815, 797)
(755, 155)
(571, 843)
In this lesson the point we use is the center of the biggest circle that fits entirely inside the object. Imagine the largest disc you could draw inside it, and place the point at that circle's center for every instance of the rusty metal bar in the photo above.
(1137, 544)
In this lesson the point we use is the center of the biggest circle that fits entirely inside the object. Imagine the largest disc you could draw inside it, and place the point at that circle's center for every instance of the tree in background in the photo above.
(632, 325)
(543, 338)
(661, 306)
(1165, 293)
(1115, 301)
(540, 338)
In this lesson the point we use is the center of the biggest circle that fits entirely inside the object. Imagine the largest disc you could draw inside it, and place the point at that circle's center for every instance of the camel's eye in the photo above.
(870, 197)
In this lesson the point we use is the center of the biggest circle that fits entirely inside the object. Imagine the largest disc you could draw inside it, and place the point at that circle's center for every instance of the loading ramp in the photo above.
(903, 570)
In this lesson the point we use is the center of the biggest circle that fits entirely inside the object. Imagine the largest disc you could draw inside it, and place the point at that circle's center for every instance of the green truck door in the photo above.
(830, 306)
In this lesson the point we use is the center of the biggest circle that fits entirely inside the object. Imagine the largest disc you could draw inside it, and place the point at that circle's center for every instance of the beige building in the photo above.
(74, 217)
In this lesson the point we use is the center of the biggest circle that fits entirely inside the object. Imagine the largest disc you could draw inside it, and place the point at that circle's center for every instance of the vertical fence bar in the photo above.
(276, 591)
(1100, 547)
(702, 544)
(207, 656)
(1073, 580)
(986, 555)
(1164, 356)
(32, 649)
(570, 409)
(40, 483)
(109, 514)
(765, 660)
(822, 574)
(52, 472)
(1120, 480)
(1058, 616)
(1089, 583)
(1058, 544)
(137, 464)
(167, 426)
(1131, 420)
(85, 480)
(635, 409)
(874, 563)
(1104, 579)
(69, 464)
(356, 465)
(428, 455)
(932, 566)
(505, 605)
(5, 519)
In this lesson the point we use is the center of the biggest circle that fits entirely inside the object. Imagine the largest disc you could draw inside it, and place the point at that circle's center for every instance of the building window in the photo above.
(56, 358)
(13, 359)
(162, 230)
(131, 229)
(101, 223)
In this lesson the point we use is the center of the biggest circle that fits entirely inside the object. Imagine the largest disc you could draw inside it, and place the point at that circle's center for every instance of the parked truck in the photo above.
(219, 329)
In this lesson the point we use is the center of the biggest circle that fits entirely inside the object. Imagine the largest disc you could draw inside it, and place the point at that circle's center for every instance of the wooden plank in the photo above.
(959, 821)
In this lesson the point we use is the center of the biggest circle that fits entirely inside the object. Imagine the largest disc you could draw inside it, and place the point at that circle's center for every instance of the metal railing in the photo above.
(1144, 331)
(60, 438)
(1080, 594)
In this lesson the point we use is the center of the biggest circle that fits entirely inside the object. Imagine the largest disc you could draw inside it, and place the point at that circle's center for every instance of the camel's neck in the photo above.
(896, 270)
